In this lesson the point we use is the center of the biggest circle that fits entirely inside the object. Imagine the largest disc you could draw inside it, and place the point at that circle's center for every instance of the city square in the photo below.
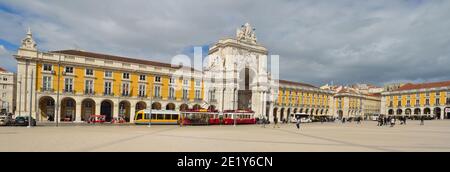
(434, 136)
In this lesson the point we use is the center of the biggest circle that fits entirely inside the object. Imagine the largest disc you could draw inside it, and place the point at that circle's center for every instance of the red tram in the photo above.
(239, 117)
(200, 117)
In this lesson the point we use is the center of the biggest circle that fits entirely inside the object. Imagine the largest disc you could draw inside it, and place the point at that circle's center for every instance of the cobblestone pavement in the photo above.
(433, 136)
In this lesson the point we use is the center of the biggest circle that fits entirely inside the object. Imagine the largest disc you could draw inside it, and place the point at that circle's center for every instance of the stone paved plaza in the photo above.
(433, 136)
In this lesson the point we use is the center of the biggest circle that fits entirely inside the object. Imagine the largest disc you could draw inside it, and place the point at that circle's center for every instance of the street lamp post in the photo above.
(31, 99)
(151, 104)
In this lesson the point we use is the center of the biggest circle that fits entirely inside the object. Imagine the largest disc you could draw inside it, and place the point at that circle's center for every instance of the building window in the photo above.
(185, 82)
(212, 95)
(89, 72)
(4, 86)
(171, 80)
(125, 89)
(108, 74)
(427, 94)
(157, 79)
(438, 94)
(68, 85)
(142, 77)
(142, 90)
(108, 88)
(171, 93)
(438, 101)
(408, 103)
(48, 67)
(89, 87)
(197, 94)
(68, 69)
(3, 95)
(126, 75)
(185, 94)
(427, 102)
(46, 84)
(5, 79)
(197, 83)
(157, 91)
(417, 103)
(399, 103)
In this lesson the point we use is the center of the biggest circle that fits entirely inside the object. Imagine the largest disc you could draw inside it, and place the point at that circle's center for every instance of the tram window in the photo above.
(153, 116)
(174, 117)
(167, 117)
(139, 116)
(146, 116)
(160, 116)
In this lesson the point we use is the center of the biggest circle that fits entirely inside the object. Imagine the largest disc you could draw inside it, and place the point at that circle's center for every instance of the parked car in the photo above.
(24, 121)
(5, 120)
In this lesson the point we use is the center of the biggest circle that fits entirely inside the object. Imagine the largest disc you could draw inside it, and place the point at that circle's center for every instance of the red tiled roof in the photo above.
(375, 94)
(3, 70)
(410, 86)
(295, 83)
(112, 57)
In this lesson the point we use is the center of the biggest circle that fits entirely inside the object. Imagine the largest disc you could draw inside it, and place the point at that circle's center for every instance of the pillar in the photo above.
(132, 112)
(78, 111)
(116, 107)
(98, 105)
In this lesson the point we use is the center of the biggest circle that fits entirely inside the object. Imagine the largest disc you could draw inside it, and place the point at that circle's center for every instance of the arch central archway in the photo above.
(124, 110)
(106, 109)
(170, 106)
(141, 106)
(87, 109)
(156, 106)
(47, 108)
(184, 107)
(68, 109)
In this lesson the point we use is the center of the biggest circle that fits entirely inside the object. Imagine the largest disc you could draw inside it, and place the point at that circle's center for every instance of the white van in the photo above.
(304, 118)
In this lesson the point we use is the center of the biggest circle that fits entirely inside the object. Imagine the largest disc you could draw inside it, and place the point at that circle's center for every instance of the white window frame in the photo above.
(126, 74)
(86, 72)
(45, 66)
(171, 93)
(65, 70)
(142, 90)
(108, 71)
(110, 90)
(49, 85)
(90, 89)
(142, 75)
(68, 86)
(125, 91)
(157, 79)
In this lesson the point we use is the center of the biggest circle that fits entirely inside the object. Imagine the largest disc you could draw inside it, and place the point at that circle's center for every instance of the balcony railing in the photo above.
(89, 92)
(125, 94)
(142, 95)
(47, 90)
(108, 94)
(66, 91)
(172, 98)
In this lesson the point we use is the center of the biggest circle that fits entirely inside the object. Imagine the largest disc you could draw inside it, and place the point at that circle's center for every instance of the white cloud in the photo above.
(318, 41)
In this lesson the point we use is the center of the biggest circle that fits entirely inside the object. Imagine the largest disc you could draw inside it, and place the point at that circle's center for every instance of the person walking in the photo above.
(275, 122)
(392, 122)
(422, 120)
(404, 120)
(298, 122)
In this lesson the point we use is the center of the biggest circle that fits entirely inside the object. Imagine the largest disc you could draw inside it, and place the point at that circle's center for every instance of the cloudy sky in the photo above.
(345, 41)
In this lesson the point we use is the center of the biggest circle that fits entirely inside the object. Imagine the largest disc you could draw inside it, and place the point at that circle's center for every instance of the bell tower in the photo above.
(26, 57)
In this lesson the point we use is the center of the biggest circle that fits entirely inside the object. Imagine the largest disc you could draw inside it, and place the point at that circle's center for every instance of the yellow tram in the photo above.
(157, 117)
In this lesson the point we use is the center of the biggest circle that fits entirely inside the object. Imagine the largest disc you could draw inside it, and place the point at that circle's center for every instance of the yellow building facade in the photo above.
(430, 99)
